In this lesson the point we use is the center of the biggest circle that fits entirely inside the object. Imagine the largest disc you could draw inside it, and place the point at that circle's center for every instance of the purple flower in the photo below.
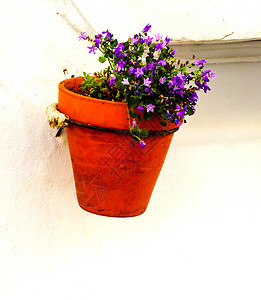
(199, 84)
(108, 34)
(118, 50)
(205, 78)
(131, 70)
(181, 112)
(97, 40)
(112, 80)
(92, 49)
(170, 117)
(206, 88)
(146, 28)
(150, 108)
(213, 75)
(162, 62)
(149, 91)
(140, 109)
(147, 82)
(134, 124)
(82, 36)
(193, 97)
(202, 86)
(158, 37)
(178, 81)
(179, 91)
(162, 80)
(134, 39)
(151, 65)
(158, 46)
(142, 144)
(138, 72)
(199, 62)
(120, 65)
(125, 81)
(149, 40)
(177, 122)
(209, 74)
(164, 45)
(167, 39)
(173, 52)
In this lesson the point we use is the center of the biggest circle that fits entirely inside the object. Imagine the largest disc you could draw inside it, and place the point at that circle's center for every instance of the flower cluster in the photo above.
(148, 77)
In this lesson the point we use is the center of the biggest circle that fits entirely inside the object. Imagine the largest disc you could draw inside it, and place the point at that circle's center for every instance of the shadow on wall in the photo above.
(231, 112)
(72, 15)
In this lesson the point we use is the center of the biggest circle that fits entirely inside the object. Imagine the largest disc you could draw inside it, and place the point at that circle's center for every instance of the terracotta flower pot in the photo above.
(112, 178)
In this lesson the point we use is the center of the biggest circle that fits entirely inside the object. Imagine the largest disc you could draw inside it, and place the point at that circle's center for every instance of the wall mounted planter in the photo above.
(112, 178)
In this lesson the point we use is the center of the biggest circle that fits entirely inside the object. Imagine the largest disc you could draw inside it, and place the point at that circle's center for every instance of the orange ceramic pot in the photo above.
(112, 178)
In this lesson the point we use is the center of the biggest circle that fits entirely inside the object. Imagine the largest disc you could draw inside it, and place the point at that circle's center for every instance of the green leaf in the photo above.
(143, 132)
(132, 102)
(190, 111)
(115, 43)
(164, 116)
(135, 131)
(102, 59)
(133, 114)
(163, 123)
(118, 94)
(117, 81)
(126, 45)
(147, 115)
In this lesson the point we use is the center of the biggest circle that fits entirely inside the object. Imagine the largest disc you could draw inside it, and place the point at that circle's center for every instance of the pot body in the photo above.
(112, 178)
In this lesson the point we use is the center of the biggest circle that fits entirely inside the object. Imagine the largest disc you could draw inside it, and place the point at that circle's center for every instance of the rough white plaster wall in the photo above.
(181, 19)
(199, 238)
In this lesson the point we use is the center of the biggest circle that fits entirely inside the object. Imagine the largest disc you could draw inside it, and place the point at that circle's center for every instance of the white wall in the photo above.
(181, 19)
(199, 238)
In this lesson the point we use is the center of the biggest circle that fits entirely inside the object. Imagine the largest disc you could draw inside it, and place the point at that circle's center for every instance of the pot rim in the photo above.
(99, 112)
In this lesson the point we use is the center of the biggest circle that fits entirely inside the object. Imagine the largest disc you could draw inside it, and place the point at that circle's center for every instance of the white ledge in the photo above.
(219, 51)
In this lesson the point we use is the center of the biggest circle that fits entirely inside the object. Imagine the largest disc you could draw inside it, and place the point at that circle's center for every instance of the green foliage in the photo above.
(97, 86)
(102, 59)
(148, 115)
(133, 114)
(163, 123)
